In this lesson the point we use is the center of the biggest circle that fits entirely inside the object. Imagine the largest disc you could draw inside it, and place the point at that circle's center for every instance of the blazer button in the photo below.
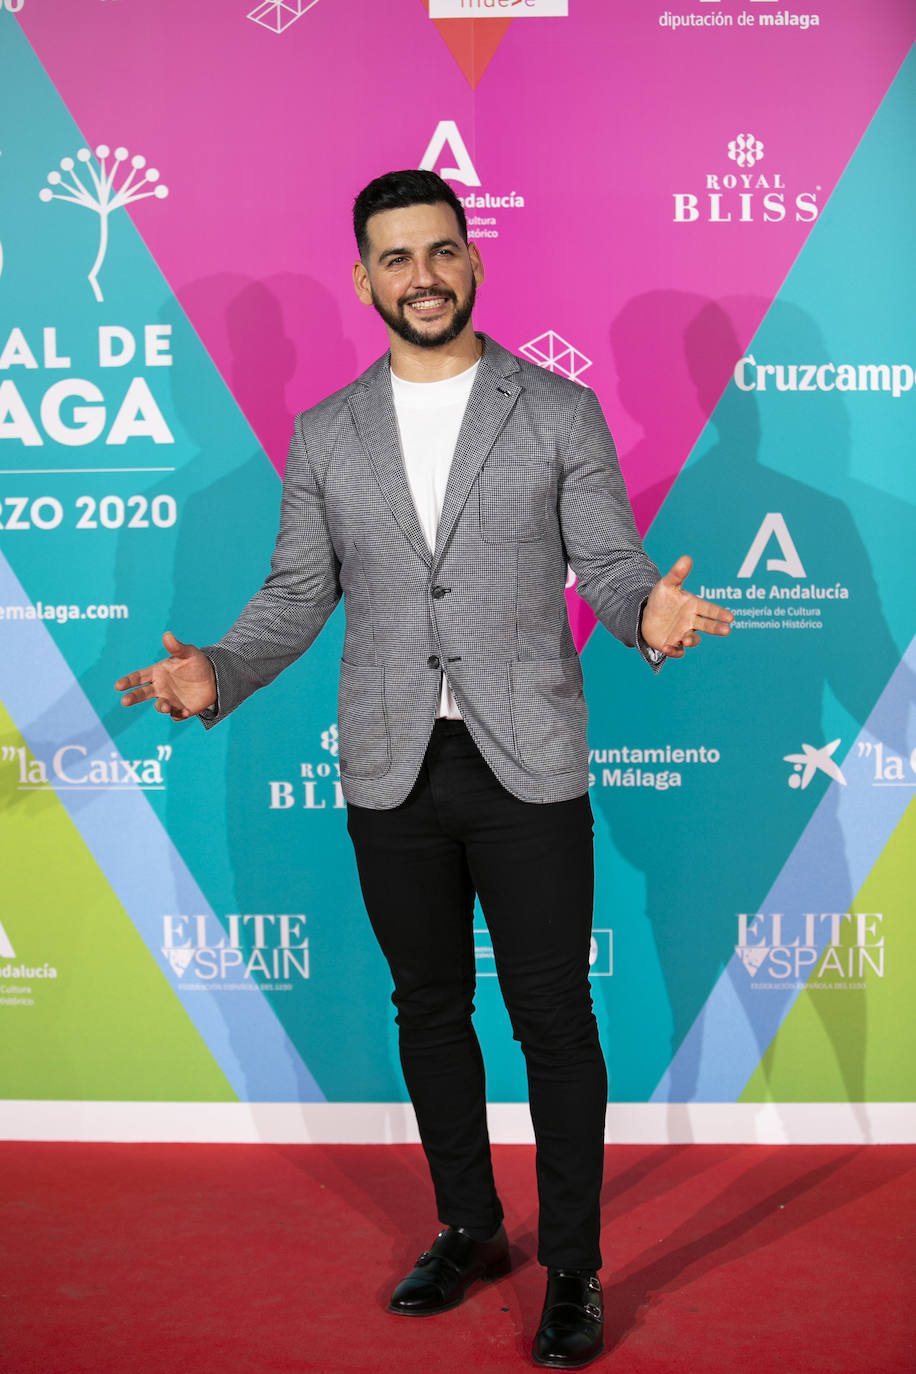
(438, 592)
(432, 661)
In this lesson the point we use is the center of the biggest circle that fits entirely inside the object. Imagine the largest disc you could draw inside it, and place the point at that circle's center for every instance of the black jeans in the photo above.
(420, 864)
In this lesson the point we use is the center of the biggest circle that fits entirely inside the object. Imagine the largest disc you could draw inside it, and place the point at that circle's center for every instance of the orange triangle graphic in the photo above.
(472, 42)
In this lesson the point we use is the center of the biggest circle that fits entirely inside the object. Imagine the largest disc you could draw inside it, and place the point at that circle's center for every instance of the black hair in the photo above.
(398, 191)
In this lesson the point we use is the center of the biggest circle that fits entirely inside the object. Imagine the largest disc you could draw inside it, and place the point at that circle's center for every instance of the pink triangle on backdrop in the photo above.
(262, 268)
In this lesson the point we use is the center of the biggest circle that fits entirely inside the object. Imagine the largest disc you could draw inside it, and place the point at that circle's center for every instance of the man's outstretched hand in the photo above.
(674, 619)
(182, 684)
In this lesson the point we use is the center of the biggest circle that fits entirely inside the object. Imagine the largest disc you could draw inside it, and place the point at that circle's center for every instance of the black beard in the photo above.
(396, 319)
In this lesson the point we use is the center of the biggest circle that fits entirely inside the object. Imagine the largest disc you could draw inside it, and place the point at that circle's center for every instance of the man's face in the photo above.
(419, 274)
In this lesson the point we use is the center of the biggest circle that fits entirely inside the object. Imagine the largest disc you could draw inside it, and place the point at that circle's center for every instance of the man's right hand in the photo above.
(181, 685)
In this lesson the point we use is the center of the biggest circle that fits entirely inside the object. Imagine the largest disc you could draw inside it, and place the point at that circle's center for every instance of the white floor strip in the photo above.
(378, 1123)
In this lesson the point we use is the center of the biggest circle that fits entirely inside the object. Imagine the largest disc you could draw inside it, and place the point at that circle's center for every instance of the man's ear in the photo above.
(361, 282)
(476, 263)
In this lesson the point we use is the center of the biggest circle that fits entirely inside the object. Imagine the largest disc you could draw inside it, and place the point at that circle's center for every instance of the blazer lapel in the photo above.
(490, 403)
(372, 408)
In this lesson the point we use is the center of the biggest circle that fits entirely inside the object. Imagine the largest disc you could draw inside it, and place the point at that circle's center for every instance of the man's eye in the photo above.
(446, 253)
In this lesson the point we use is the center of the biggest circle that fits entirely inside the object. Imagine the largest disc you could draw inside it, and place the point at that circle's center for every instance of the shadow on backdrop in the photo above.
(684, 862)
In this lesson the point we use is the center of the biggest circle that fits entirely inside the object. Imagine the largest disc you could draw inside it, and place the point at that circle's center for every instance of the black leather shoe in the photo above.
(571, 1333)
(444, 1272)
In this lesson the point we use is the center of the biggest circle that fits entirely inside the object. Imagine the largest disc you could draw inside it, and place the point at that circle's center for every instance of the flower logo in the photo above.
(139, 184)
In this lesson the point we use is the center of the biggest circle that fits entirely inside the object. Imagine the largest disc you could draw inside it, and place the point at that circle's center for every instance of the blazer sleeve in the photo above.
(603, 547)
(303, 587)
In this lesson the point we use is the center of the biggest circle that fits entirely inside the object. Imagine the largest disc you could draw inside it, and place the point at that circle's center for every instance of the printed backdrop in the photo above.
(705, 213)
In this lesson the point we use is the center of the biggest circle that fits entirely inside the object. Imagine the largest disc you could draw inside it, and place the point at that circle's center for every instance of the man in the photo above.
(443, 494)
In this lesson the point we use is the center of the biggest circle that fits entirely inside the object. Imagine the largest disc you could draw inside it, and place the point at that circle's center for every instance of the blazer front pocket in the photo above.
(363, 724)
(513, 501)
(549, 714)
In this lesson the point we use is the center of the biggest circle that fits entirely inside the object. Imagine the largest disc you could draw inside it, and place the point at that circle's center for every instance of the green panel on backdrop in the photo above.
(108, 1027)
(857, 1042)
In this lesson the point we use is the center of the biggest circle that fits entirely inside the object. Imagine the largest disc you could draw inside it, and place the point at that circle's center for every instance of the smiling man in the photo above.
(426, 316)
(443, 494)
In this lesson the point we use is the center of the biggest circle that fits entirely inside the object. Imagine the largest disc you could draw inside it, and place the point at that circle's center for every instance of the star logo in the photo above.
(811, 761)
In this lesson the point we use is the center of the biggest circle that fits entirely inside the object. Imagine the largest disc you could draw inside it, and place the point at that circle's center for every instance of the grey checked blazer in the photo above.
(534, 484)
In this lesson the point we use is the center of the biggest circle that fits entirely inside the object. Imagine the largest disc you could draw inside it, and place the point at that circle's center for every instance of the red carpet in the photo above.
(189, 1259)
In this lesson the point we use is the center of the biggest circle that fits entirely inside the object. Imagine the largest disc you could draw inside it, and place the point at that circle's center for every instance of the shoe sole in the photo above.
(497, 1270)
(567, 1364)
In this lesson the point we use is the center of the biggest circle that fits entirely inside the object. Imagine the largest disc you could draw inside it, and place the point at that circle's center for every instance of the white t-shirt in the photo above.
(429, 417)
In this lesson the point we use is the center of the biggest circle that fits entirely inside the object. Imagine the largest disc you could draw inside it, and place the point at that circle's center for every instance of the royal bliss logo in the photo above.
(318, 786)
(743, 193)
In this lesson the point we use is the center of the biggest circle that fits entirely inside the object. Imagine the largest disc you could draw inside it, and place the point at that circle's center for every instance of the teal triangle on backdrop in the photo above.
(192, 575)
(676, 867)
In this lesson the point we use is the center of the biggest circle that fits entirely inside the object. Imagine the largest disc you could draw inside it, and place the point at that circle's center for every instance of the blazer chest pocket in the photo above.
(364, 748)
(513, 501)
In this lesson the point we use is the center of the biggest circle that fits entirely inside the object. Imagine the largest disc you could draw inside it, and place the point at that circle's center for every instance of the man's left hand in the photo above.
(674, 619)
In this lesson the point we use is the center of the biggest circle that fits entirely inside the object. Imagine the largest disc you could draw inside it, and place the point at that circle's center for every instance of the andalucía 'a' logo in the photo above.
(448, 136)
(139, 183)
(774, 526)
(6, 949)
